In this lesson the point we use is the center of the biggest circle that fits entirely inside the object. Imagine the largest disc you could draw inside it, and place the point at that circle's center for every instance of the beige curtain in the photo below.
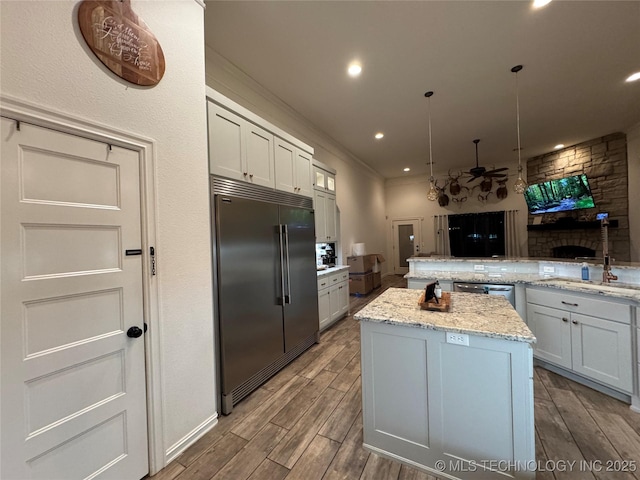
(511, 238)
(441, 234)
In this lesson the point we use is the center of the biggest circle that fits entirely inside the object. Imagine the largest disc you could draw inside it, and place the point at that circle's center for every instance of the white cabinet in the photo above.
(293, 168)
(591, 337)
(324, 180)
(333, 297)
(325, 216)
(239, 149)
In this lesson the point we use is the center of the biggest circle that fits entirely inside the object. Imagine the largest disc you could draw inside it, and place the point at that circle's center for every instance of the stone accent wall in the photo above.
(604, 161)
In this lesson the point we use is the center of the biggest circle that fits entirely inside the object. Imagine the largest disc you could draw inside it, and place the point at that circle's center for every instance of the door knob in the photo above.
(134, 332)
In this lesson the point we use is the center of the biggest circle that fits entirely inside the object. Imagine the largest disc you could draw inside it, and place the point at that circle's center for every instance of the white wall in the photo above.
(407, 197)
(633, 157)
(45, 60)
(359, 189)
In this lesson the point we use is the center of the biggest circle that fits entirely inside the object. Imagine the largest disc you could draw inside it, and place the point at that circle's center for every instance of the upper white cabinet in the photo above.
(293, 168)
(324, 180)
(243, 146)
(591, 337)
(239, 149)
(325, 214)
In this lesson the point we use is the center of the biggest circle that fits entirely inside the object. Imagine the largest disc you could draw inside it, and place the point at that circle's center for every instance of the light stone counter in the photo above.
(329, 271)
(482, 315)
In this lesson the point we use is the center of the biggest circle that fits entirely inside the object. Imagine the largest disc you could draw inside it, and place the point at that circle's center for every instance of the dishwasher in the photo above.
(487, 289)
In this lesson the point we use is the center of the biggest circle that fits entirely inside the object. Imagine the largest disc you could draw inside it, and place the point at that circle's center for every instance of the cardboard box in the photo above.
(377, 279)
(364, 263)
(360, 283)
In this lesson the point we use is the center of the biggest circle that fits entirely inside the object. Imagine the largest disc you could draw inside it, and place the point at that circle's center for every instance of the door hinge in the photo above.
(152, 252)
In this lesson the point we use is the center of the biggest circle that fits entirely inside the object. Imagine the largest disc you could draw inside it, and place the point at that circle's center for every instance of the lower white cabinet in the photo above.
(592, 346)
(333, 297)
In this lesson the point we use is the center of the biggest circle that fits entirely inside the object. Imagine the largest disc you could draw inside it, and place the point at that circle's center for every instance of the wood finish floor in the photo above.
(306, 423)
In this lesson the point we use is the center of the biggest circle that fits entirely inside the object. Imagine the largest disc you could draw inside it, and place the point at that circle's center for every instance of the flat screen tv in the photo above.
(570, 193)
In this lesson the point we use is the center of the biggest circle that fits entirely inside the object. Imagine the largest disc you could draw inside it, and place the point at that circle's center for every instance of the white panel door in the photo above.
(73, 382)
(285, 155)
(259, 156)
(601, 349)
(553, 334)
(303, 174)
(227, 156)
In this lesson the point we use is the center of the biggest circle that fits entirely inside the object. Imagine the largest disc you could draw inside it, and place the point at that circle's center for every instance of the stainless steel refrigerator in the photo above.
(266, 282)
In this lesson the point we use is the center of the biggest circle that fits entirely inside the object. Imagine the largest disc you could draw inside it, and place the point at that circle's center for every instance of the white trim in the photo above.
(201, 3)
(19, 109)
(190, 438)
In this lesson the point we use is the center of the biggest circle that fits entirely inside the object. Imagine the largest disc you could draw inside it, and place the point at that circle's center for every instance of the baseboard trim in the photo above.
(190, 438)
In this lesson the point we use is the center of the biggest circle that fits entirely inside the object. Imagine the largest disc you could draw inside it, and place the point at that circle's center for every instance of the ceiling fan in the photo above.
(477, 171)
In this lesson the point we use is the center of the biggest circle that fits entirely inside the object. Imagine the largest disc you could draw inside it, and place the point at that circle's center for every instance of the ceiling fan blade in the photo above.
(498, 170)
(472, 179)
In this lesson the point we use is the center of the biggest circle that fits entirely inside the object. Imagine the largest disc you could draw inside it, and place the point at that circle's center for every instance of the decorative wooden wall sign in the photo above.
(121, 40)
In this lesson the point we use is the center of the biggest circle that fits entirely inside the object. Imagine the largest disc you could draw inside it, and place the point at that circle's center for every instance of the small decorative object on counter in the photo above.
(437, 290)
(585, 271)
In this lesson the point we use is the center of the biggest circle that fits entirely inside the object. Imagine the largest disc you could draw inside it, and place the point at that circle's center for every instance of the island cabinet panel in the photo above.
(426, 401)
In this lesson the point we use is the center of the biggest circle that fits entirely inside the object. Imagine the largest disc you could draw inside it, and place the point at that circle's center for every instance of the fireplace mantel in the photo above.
(577, 225)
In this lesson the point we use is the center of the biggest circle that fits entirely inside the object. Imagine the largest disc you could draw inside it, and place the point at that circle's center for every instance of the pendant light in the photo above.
(520, 186)
(432, 194)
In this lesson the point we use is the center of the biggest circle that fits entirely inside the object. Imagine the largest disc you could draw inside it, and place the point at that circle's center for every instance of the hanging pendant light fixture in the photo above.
(432, 194)
(520, 186)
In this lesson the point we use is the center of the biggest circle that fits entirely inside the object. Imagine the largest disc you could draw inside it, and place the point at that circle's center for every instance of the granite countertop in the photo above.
(497, 278)
(565, 261)
(613, 290)
(617, 290)
(330, 270)
(483, 315)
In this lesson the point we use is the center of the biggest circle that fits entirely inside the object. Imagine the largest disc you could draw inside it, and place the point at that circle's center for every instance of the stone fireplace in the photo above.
(577, 233)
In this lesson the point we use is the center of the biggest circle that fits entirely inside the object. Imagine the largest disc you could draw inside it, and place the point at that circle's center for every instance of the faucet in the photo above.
(607, 276)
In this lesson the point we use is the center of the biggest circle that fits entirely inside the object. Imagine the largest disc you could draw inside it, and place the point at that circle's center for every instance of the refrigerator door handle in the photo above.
(281, 299)
(287, 297)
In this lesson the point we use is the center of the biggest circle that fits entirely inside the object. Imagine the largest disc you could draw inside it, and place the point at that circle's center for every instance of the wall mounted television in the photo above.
(560, 195)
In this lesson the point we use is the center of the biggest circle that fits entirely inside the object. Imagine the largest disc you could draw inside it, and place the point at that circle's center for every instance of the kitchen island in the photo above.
(450, 393)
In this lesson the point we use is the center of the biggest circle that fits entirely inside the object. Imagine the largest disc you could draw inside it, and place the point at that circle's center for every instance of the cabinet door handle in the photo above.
(575, 322)
(570, 304)
(565, 319)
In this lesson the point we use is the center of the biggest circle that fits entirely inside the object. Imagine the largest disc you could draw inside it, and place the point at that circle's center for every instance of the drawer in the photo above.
(594, 307)
(343, 276)
(324, 281)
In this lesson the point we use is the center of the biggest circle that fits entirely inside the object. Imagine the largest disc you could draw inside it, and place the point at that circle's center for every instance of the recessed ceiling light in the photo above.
(354, 70)
(634, 77)
(407, 169)
(559, 146)
(540, 3)
(379, 135)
